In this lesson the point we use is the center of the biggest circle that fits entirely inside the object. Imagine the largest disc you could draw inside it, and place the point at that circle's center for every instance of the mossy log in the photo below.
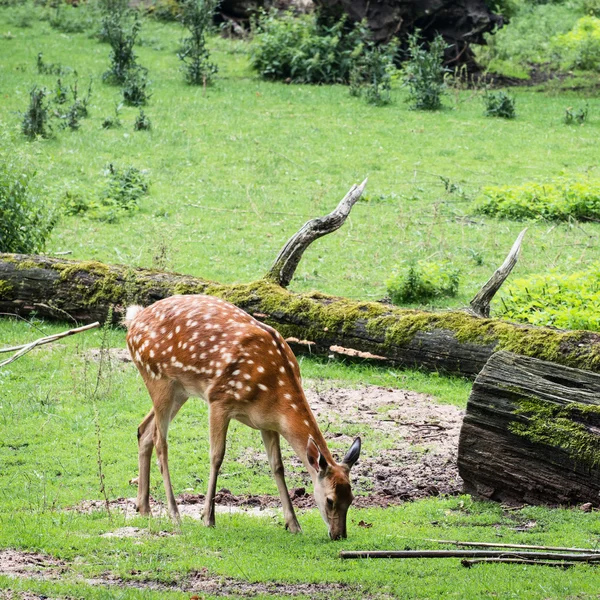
(452, 342)
(531, 433)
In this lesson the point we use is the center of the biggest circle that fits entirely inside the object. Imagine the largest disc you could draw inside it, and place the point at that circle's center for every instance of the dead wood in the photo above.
(516, 546)
(468, 554)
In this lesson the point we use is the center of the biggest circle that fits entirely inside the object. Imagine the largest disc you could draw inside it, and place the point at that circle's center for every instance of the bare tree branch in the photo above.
(25, 348)
(480, 305)
(285, 264)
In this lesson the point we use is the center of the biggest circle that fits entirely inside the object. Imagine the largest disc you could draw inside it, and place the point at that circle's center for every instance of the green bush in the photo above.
(499, 104)
(135, 87)
(576, 116)
(558, 200)
(581, 46)
(121, 29)
(422, 282)
(25, 220)
(304, 49)
(565, 301)
(196, 17)
(424, 73)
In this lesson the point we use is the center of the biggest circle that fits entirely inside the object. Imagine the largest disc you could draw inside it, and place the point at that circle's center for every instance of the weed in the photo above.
(499, 104)
(61, 92)
(422, 282)
(36, 119)
(26, 220)
(142, 122)
(135, 87)
(576, 116)
(373, 72)
(49, 69)
(125, 187)
(121, 32)
(196, 17)
(424, 73)
(113, 122)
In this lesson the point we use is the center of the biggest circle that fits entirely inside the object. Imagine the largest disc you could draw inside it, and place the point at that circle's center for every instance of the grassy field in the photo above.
(234, 172)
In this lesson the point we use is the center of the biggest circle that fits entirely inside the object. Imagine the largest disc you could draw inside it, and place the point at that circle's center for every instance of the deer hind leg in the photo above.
(145, 447)
(218, 425)
(167, 397)
(271, 441)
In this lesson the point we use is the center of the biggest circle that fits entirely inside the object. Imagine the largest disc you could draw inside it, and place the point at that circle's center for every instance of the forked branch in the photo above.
(285, 264)
(25, 348)
(480, 305)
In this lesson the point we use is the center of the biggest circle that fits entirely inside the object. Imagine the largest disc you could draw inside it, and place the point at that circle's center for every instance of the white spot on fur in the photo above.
(263, 387)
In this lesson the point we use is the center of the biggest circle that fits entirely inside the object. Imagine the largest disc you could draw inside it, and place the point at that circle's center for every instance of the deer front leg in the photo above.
(162, 419)
(271, 441)
(218, 425)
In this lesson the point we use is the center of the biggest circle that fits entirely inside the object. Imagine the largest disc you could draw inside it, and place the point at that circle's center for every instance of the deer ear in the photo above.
(353, 454)
(315, 459)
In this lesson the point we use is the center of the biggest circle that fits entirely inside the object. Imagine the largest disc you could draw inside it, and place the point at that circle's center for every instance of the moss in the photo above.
(5, 288)
(569, 427)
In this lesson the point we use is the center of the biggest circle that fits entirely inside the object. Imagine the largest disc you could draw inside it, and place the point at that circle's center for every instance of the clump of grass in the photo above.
(196, 17)
(422, 282)
(500, 104)
(424, 73)
(576, 116)
(558, 200)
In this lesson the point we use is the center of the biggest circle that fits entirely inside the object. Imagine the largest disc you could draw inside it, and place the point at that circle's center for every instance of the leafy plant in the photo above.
(304, 49)
(121, 30)
(499, 104)
(36, 117)
(135, 87)
(49, 69)
(576, 116)
(25, 220)
(581, 45)
(558, 200)
(372, 73)
(424, 73)
(555, 299)
(422, 282)
(125, 187)
(113, 122)
(196, 17)
(78, 110)
(142, 122)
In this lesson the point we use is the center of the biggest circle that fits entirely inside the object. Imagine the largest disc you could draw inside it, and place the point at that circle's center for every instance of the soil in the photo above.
(417, 459)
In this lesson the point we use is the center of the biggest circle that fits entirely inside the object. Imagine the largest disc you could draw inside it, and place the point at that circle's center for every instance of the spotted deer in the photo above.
(203, 346)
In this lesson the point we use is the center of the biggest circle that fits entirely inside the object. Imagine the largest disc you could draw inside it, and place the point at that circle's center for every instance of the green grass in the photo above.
(237, 171)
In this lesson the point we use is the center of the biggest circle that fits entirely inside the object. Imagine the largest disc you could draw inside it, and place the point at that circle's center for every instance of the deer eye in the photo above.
(330, 502)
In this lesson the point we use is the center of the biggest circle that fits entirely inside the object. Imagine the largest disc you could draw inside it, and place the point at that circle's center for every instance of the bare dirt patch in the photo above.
(17, 563)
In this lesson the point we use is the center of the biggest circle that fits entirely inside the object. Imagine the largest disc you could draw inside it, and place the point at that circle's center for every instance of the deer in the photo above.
(202, 346)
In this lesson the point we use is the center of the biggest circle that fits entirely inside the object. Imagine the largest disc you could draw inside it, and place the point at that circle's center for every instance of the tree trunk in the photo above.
(452, 342)
(531, 433)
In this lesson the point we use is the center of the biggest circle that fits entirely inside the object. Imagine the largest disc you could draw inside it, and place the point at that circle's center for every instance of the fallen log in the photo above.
(467, 554)
(531, 433)
(452, 342)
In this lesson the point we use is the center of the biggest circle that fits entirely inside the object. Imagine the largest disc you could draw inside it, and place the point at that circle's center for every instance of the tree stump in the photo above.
(531, 433)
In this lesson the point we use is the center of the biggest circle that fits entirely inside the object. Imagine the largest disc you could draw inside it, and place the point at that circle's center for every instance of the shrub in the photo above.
(499, 104)
(372, 73)
(36, 118)
(304, 49)
(559, 200)
(196, 17)
(424, 73)
(422, 282)
(25, 220)
(576, 116)
(581, 45)
(566, 301)
(142, 122)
